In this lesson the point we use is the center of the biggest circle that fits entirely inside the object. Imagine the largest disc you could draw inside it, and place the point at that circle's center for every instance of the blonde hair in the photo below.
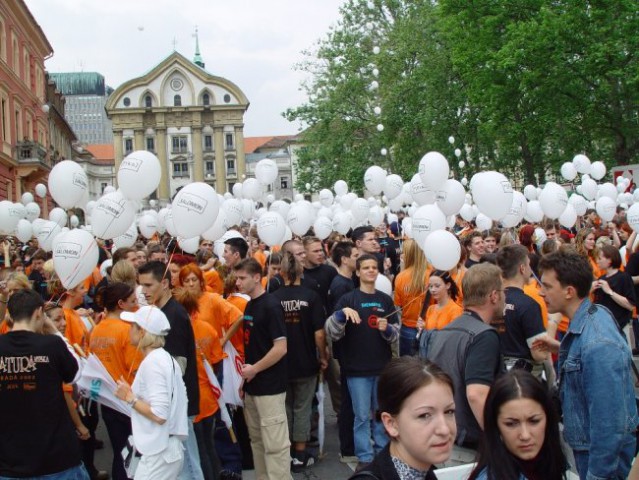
(150, 340)
(20, 279)
(414, 258)
(479, 282)
(124, 272)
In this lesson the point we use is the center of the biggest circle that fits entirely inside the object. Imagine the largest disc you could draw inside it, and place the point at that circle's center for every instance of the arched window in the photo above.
(177, 101)
(148, 101)
(206, 100)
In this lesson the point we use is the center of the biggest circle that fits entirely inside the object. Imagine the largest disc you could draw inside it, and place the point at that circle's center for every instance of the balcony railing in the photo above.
(230, 172)
(181, 174)
(32, 152)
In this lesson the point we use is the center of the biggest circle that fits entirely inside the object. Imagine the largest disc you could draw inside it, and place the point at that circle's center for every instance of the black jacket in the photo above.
(382, 468)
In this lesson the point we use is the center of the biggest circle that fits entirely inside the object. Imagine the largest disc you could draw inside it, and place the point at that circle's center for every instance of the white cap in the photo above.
(149, 318)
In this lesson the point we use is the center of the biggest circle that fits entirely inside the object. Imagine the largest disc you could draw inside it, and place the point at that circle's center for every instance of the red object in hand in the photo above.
(373, 320)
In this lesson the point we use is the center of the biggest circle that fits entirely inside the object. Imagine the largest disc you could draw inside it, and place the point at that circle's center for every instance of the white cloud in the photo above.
(253, 43)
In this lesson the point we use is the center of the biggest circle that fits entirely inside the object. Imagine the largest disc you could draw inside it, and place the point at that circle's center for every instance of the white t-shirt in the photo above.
(159, 383)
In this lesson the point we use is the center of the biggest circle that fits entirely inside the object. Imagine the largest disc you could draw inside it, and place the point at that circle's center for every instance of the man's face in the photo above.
(477, 247)
(551, 234)
(206, 245)
(158, 257)
(315, 254)
(132, 258)
(140, 256)
(152, 289)
(351, 261)
(554, 293)
(490, 244)
(527, 271)
(245, 282)
(230, 257)
(38, 265)
(368, 271)
(368, 243)
(298, 251)
(174, 269)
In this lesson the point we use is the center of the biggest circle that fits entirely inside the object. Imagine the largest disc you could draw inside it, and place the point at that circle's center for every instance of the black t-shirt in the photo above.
(469, 263)
(483, 365)
(620, 283)
(339, 286)
(632, 269)
(180, 342)
(304, 315)
(277, 282)
(263, 324)
(322, 276)
(522, 320)
(37, 436)
(363, 350)
(389, 247)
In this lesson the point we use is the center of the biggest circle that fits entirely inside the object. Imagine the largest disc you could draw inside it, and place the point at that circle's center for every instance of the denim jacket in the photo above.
(596, 389)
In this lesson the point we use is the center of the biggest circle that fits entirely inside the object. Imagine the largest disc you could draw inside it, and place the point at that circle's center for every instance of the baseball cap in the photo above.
(149, 318)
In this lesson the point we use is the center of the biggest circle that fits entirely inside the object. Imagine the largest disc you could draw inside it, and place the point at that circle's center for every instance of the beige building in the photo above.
(192, 120)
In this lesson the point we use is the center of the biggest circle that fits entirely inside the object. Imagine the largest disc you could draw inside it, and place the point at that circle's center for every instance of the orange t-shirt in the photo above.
(207, 344)
(217, 312)
(93, 279)
(76, 332)
(111, 343)
(260, 257)
(409, 302)
(457, 278)
(213, 281)
(437, 318)
(532, 290)
(4, 327)
(239, 300)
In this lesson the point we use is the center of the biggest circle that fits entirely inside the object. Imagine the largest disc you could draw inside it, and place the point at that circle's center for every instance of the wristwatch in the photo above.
(132, 402)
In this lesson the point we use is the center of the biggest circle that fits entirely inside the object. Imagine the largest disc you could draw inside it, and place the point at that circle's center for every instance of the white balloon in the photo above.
(281, 207)
(534, 212)
(568, 171)
(139, 174)
(148, 225)
(323, 227)
(517, 211)
(589, 188)
(10, 215)
(608, 190)
(108, 189)
(451, 140)
(58, 216)
(21, 209)
(112, 215)
(189, 245)
(553, 200)
(375, 179)
(458, 153)
(266, 171)
(359, 209)
(346, 201)
(598, 170)
(492, 193)
(271, 228)
(341, 222)
(47, 231)
(632, 216)
(74, 221)
(383, 284)
(233, 209)
(219, 227)
(407, 227)
(74, 257)
(579, 204)
(24, 230)
(237, 190)
(483, 222)
(393, 186)
(195, 209)
(248, 209)
(37, 224)
(451, 197)
(569, 217)
(581, 163)
(67, 183)
(299, 220)
(421, 194)
(442, 250)
(530, 192)
(33, 211)
(375, 216)
(41, 190)
(27, 198)
(433, 170)
(340, 187)
(326, 197)
(251, 189)
(128, 238)
(606, 208)
(426, 220)
(466, 212)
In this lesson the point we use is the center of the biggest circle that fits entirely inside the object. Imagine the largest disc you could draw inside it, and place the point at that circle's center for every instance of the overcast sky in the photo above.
(253, 43)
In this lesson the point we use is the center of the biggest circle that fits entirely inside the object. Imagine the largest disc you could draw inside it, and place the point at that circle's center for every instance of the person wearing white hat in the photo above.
(157, 398)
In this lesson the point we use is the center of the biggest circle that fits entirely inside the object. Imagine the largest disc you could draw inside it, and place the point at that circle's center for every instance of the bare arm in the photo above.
(320, 343)
(231, 331)
(274, 355)
(83, 432)
(476, 394)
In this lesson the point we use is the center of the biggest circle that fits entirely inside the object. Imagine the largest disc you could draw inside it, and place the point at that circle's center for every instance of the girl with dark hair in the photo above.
(417, 408)
(443, 289)
(111, 343)
(521, 432)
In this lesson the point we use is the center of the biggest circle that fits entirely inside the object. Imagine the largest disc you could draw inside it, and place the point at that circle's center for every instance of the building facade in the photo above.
(25, 158)
(98, 162)
(192, 120)
(280, 150)
(86, 94)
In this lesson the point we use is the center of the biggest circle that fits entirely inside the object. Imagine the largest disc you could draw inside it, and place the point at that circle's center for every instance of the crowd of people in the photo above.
(534, 327)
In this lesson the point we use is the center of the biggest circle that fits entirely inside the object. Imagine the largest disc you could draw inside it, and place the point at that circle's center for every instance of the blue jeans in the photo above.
(407, 341)
(363, 392)
(623, 464)
(74, 473)
(191, 469)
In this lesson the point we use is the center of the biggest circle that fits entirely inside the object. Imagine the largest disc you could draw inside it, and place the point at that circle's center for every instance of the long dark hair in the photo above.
(109, 295)
(493, 454)
(446, 277)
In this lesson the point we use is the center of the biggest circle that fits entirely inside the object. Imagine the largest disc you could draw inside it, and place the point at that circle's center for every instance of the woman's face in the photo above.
(603, 262)
(438, 288)
(56, 315)
(130, 304)
(424, 430)
(274, 269)
(522, 424)
(192, 284)
(135, 334)
(174, 268)
(589, 241)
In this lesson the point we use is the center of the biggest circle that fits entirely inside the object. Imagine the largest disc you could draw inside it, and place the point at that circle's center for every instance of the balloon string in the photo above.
(399, 309)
